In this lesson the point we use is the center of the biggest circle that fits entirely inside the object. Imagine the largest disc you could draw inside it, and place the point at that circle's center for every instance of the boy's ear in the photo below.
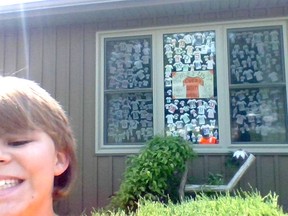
(61, 163)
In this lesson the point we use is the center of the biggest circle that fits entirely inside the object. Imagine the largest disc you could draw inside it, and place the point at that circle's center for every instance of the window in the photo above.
(226, 81)
(257, 85)
(190, 86)
(125, 100)
(128, 90)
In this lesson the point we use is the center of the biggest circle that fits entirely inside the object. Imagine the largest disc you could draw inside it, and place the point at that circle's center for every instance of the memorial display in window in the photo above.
(128, 90)
(128, 62)
(256, 55)
(190, 86)
(257, 85)
(129, 117)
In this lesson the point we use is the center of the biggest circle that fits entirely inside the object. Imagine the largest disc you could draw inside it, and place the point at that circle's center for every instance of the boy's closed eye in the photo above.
(18, 143)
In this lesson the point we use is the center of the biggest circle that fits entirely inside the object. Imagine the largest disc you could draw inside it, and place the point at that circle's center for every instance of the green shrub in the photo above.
(239, 204)
(215, 179)
(153, 174)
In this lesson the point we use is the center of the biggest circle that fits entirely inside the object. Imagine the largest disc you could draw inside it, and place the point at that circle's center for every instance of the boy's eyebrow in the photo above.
(16, 134)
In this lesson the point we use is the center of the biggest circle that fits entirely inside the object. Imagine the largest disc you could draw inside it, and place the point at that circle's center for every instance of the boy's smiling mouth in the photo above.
(7, 183)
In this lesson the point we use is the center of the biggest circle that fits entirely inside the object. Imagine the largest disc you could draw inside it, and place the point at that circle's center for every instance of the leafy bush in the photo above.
(215, 179)
(154, 174)
(241, 203)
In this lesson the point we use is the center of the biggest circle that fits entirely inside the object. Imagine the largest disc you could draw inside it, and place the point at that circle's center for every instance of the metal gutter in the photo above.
(48, 4)
(96, 4)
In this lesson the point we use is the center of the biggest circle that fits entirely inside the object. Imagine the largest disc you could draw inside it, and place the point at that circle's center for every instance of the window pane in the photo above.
(190, 86)
(256, 55)
(129, 118)
(128, 62)
(259, 115)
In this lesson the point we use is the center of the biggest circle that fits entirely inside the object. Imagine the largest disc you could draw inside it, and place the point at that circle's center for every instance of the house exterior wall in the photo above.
(62, 59)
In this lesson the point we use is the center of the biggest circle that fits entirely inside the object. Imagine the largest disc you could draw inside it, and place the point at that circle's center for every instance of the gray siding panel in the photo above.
(63, 66)
(2, 52)
(76, 102)
(49, 60)
(104, 180)
(197, 170)
(62, 89)
(267, 181)
(89, 159)
(283, 179)
(214, 164)
(10, 53)
(35, 54)
(22, 53)
(118, 171)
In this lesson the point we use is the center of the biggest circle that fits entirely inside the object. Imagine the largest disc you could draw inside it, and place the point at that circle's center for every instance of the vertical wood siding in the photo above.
(35, 54)
(89, 160)
(62, 60)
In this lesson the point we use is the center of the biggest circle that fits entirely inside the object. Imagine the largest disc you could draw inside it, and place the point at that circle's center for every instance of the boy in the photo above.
(37, 149)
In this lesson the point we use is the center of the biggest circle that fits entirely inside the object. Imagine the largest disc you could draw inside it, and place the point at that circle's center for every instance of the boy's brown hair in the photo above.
(24, 105)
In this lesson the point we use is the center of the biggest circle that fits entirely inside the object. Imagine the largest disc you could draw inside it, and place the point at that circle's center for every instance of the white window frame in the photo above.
(223, 98)
(261, 148)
